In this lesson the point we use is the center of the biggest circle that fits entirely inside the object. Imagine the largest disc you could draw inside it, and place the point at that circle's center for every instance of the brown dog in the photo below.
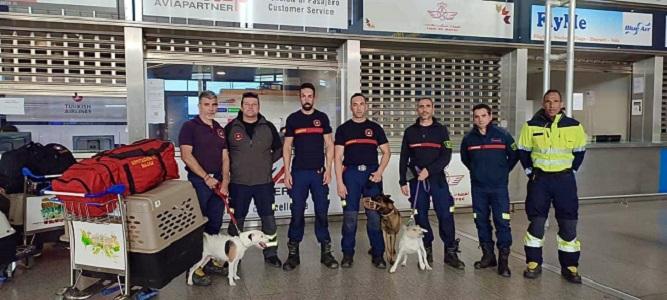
(391, 222)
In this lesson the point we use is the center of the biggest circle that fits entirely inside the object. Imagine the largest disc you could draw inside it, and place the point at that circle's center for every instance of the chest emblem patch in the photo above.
(368, 132)
(238, 136)
(317, 123)
(221, 133)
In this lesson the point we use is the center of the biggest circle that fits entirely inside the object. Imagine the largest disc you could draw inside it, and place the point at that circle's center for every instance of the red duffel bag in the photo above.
(88, 176)
(143, 164)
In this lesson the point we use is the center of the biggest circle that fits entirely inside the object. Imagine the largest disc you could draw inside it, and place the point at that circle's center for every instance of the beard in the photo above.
(307, 106)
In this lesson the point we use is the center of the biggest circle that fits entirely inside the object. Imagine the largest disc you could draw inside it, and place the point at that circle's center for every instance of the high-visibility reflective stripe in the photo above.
(553, 151)
(552, 162)
(571, 246)
(272, 237)
(506, 216)
(274, 206)
(524, 148)
(309, 130)
(580, 149)
(474, 215)
(425, 145)
(531, 241)
(343, 203)
(361, 141)
(451, 209)
(485, 147)
(231, 209)
(272, 244)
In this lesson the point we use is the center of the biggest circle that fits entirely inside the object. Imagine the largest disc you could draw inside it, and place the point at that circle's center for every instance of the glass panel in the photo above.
(278, 90)
(87, 124)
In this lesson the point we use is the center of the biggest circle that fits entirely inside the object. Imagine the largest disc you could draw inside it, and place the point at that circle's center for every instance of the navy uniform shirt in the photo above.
(425, 147)
(308, 132)
(207, 143)
(489, 157)
(361, 141)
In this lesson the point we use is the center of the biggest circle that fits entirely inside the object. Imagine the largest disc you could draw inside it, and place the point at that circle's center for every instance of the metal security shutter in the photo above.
(31, 59)
(223, 49)
(393, 81)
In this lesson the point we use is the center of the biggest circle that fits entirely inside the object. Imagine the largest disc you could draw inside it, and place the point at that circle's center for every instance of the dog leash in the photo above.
(413, 206)
(229, 210)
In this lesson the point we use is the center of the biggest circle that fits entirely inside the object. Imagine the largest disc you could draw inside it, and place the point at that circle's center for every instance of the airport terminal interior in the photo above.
(87, 79)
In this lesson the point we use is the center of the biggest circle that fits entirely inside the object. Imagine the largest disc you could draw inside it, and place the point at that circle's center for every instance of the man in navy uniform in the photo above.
(489, 152)
(309, 131)
(359, 174)
(204, 152)
(425, 152)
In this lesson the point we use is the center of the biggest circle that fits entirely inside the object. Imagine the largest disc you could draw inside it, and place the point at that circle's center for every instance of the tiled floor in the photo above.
(624, 251)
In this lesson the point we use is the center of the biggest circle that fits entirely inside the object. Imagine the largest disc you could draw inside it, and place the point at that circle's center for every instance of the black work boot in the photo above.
(293, 259)
(571, 274)
(488, 257)
(503, 262)
(429, 254)
(452, 258)
(347, 261)
(533, 270)
(378, 262)
(327, 258)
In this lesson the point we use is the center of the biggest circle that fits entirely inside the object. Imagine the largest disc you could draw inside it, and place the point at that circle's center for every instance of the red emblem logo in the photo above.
(238, 136)
(221, 133)
(368, 132)
(317, 123)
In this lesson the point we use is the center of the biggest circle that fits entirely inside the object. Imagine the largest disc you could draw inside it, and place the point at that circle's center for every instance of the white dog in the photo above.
(411, 242)
(230, 249)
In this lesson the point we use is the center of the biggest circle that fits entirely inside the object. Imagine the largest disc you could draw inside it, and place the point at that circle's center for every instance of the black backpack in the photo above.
(41, 160)
(50, 159)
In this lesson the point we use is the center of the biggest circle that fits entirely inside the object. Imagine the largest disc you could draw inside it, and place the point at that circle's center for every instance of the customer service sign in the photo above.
(476, 18)
(595, 26)
(311, 13)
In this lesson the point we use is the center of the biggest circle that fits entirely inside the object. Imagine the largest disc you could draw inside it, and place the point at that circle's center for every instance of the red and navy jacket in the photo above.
(425, 147)
(489, 157)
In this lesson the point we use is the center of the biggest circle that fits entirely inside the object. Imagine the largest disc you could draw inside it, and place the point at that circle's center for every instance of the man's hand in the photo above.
(327, 177)
(342, 190)
(423, 174)
(211, 182)
(288, 180)
(224, 188)
(376, 176)
(405, 190)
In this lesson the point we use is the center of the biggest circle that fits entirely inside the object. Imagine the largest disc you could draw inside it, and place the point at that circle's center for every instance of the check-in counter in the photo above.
(611, 169)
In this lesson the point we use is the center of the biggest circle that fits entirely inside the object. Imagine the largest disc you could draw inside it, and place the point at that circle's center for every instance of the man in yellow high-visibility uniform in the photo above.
(551, 149)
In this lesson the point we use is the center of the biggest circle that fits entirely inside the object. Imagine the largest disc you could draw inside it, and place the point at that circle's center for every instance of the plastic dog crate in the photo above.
(165, 231)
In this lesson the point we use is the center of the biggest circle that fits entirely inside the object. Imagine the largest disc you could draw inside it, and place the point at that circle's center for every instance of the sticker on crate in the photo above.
(99, 245)
(43, 213)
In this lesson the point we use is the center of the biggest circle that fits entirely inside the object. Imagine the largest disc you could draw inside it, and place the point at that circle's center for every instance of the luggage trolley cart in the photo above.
(39, 213)
(98, 244)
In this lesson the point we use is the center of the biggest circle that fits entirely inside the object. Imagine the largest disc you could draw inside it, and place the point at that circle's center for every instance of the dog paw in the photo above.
(237, 277)
(428, 268)
(232, 283)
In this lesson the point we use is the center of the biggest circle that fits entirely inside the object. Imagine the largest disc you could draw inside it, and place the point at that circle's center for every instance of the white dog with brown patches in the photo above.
(230, 249)
(411, 242)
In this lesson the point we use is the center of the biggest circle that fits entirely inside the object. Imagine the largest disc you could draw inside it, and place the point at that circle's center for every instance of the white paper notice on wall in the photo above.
(636, 107)
(638, 85)
(12, 106)
(155, 111)
(578, 101)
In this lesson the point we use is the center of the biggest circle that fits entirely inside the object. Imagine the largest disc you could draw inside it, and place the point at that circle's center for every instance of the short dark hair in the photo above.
(482, 106)
(425, 98)
(249, 95)
(207, 94)
(307, 85)
(358, 95)
(552, 91)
